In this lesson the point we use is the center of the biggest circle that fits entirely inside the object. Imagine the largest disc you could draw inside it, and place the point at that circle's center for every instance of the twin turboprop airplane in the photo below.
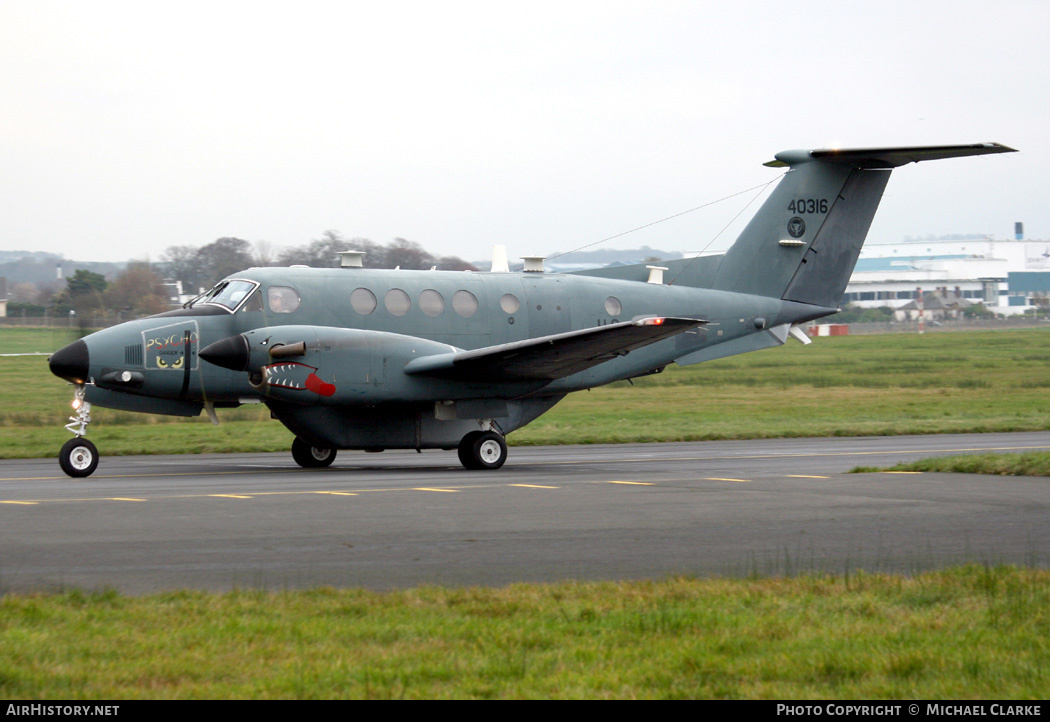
(355, 358)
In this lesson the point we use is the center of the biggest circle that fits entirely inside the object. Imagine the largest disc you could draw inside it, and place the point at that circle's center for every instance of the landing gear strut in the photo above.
(78, 456)
(482, 450)
(311, 457)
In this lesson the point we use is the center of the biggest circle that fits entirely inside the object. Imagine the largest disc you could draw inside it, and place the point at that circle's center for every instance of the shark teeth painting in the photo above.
(297, 377)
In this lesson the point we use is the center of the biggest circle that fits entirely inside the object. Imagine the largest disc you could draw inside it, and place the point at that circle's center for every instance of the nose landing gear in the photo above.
(78, 457)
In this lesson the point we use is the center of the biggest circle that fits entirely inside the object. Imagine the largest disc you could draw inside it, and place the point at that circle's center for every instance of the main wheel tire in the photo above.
(311, 457)
(466, 451)
(490, 451)
(78, 457)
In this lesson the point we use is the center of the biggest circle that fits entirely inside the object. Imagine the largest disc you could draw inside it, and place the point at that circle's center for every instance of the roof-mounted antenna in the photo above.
(533, 264)
(499, 260)
(351, 259)
(656, 274)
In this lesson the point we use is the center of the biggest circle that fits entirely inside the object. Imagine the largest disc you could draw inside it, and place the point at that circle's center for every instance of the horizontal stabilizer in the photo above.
(551, 357)
(885, 157)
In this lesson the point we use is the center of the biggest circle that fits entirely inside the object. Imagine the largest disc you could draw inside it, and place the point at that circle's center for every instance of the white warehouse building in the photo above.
(1006, 276)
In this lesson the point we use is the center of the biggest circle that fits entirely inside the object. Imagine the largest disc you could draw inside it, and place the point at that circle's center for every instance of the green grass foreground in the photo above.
(965, 633)
(975, 381)
(1029, 464)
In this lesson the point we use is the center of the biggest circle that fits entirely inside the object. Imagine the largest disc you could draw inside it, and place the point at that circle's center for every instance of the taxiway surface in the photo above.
(396, 519)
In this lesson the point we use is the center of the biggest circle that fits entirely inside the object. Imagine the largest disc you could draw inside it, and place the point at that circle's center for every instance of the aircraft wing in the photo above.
(551, 357)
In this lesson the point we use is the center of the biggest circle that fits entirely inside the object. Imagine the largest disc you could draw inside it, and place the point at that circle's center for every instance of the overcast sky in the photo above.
(128, 127)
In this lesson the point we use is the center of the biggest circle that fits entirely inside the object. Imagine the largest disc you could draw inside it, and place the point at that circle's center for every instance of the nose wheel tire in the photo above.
(311, 457)
(78, 457)
(482, 450)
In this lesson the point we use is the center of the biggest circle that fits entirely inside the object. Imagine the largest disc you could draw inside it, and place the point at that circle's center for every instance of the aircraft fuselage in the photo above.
(361, 328)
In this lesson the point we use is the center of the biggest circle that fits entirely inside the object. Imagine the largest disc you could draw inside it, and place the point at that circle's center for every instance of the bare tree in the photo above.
(223, 257)
(181, 263)
(324, 252)
(408, 255)
(265, 254)
(137, 291)
(25, 293)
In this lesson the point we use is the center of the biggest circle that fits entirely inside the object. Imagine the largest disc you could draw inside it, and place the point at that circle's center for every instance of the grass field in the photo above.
(839, 386)
(968, 633)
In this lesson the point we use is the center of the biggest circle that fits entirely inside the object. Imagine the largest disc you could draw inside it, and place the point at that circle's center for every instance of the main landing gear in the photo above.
(311, 457)
(478, 451)
(78, 456)
(482, 450)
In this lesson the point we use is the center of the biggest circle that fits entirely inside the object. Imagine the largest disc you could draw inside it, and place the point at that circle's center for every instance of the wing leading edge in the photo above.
(551, 357)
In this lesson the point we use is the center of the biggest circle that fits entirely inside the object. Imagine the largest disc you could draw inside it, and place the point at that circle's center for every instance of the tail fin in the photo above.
(804, 241)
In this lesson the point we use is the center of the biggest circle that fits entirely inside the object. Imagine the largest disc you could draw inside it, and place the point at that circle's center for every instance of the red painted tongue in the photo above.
(318, 386)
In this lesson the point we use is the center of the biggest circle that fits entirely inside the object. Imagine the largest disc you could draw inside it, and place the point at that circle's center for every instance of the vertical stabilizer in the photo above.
(804, 241)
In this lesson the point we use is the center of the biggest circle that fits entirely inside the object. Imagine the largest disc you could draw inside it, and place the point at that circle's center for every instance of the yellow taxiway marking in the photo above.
(632, 483)
(152, 475)
(806, 476)
(256, 494)
(23, 503)
(644, 460)
(120, 498)
(534, 486)
(716, 478)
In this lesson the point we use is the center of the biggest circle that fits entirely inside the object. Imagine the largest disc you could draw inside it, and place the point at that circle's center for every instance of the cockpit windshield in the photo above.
(228, 294)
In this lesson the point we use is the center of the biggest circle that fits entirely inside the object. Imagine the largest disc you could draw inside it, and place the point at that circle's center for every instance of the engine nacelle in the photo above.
(321, 364)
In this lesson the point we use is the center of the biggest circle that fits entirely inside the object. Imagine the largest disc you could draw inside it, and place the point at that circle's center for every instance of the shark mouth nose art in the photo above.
(296, 377)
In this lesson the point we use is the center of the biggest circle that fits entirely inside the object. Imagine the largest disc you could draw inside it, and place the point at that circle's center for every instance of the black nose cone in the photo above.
(71, 362)
(230, 353)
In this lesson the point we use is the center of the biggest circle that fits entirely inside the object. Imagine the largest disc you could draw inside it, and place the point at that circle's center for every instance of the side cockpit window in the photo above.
(254, 302)
(282, 299)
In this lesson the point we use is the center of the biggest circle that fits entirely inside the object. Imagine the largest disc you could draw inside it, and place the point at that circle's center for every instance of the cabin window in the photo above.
(465, 303)
(613, 307)
(431, 302)
(397, 302)
(282, 299)
(509, 303)
(363, 301)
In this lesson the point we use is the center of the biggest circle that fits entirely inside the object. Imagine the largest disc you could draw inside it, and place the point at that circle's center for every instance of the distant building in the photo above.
(937, 304)
(1006, 276)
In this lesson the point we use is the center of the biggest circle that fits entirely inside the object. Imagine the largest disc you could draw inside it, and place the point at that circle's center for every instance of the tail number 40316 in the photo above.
(809, 205)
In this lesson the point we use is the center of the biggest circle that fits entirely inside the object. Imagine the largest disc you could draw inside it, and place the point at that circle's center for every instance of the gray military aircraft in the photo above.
(355, 358)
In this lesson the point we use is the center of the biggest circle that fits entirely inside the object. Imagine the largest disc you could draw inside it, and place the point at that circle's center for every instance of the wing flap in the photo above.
(551, 357)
